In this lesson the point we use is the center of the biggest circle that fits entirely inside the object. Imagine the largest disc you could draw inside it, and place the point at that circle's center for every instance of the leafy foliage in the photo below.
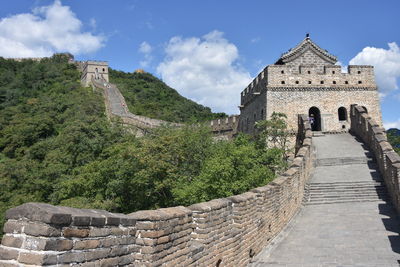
(274, 133)
(394, 139)
(56, 146)
(148, 96)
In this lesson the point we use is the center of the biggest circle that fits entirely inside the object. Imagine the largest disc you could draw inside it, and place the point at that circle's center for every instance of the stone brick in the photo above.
(86, 244)
(13, 227)
(8, 253)
(39, 229)
(40, 212)
(12, 241)
(75, 232)
(99, 232)
(71, 256)
(96, 254)
(59, 244)
(110, 262)
(34, 243)
(37, 259)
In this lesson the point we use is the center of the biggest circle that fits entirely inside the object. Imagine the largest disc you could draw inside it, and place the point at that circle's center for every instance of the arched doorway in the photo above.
(342, 114)
(315, 118)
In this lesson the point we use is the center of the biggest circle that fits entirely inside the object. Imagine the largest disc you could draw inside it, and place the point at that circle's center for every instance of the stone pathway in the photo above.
(345, 221)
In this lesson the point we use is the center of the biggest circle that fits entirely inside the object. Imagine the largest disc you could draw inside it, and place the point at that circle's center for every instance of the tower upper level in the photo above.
(309, 67)
(307, 53)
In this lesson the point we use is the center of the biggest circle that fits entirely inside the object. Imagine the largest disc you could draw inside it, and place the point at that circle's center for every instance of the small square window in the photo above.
(309, 82)
(333, 72)
(282, 71)
(359, 82)
(359, 72)
(282, 82)
(322, 82)
(309, 72)
(334, 82)
(297, 82)
(346, 82)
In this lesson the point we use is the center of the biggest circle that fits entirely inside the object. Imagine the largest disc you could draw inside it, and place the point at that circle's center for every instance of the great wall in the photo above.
(222, 232)
(336, 205)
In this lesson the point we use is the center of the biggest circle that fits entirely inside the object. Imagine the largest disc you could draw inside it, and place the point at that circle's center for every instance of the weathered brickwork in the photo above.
(221, 232)
(93, 70)
(374, 136)
(225, 128)
(305, 78)
(116, 108)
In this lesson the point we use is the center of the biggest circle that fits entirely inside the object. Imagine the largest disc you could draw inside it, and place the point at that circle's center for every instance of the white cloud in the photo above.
(255, 40)
(206, 70)
(394, 124)
(93, 23)
(386, 63)
(146, 49)
(48, 29)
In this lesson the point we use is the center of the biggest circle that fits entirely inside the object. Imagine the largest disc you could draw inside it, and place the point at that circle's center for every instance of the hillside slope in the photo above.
(51, 129)
(148, 96)
(394, 138)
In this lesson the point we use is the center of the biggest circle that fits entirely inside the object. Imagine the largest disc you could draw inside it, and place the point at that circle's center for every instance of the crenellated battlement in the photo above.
(307, 80)
(226, 127)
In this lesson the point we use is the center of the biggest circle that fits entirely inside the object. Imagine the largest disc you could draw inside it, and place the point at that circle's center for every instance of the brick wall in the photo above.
(221, 232)
(387, 159)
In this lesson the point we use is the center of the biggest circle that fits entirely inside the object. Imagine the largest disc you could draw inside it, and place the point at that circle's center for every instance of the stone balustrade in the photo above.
(387, 159)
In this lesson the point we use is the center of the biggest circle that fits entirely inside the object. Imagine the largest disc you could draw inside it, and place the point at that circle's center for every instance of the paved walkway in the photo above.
(340, 228)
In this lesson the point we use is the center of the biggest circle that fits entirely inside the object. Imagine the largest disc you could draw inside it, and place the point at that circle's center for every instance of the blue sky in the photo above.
(208, 50)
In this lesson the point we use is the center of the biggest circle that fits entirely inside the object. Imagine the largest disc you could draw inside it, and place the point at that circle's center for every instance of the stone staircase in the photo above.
(343, 192)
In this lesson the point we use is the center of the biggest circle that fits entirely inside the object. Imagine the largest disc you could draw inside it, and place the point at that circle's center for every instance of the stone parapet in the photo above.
(388, 161)
(227, 127)
(221, 232)
(116, 107)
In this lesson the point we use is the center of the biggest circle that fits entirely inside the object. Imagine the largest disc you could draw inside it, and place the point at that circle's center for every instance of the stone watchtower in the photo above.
(93, 69)
(305, 80)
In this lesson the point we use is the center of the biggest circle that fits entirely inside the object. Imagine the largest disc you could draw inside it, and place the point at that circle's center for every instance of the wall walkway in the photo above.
(116, 107)
(346, 220)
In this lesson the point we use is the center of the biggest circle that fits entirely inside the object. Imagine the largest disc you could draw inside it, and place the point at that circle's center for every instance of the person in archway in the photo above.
(311, 119)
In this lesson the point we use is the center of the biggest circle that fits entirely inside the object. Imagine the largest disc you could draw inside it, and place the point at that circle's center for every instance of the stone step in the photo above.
(346, 201)
(346, 196)
(337, 193)
(344, 186)
(343, 161)
(355, 191)
(348, 182)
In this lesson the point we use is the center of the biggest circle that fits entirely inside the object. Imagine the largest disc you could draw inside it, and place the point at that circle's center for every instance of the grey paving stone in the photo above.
(340, 234)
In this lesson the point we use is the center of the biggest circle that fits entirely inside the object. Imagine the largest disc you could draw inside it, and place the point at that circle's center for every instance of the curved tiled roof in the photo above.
(302, 47)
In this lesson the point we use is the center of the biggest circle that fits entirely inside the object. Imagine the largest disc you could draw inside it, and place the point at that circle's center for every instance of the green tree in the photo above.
(274, 133)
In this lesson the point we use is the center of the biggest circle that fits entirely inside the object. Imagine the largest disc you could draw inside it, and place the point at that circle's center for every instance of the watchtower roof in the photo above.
(304, 46)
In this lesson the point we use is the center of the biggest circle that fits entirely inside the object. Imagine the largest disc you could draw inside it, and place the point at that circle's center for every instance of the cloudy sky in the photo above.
(208, 50)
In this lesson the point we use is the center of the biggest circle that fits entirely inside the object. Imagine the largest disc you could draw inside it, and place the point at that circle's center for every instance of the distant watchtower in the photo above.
(305, 80)
(93, 69)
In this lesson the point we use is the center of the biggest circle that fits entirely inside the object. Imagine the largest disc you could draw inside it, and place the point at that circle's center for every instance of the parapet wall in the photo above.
(375, 138)
(222, 232)
(308, 77)
(227, 127)
(116, 107)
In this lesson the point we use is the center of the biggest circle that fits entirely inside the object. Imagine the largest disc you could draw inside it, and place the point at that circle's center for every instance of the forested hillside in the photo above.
(57, 146)
(148, 96)
(394, 139)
